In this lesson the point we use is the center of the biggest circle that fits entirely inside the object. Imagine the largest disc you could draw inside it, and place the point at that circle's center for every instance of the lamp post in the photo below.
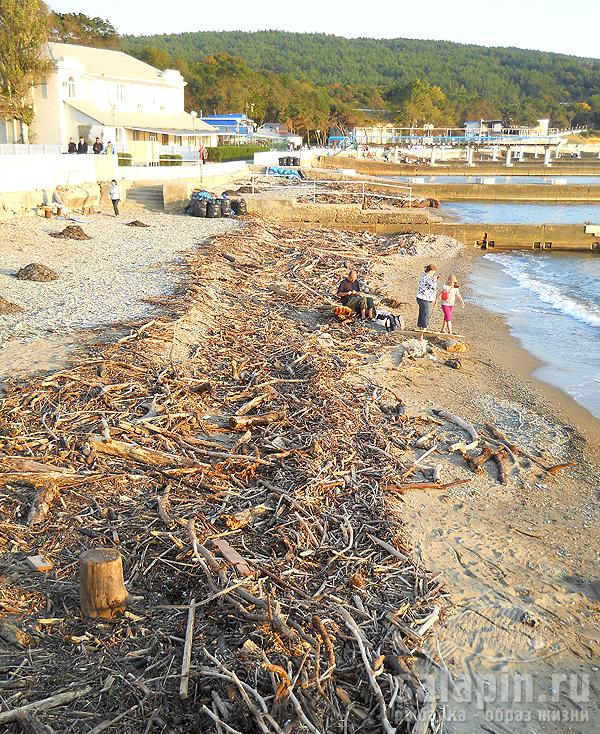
(194, 115)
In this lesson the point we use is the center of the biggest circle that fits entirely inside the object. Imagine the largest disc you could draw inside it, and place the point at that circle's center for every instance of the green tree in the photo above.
(421, 103)
(83, 30)
(23, 58)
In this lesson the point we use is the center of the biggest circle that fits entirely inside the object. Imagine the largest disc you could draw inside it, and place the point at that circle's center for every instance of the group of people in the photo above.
(114, 194)
(354, 294)
(428, 295)
(83, 148)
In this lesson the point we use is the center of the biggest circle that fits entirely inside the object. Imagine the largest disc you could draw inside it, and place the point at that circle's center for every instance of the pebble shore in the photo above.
(101, 281)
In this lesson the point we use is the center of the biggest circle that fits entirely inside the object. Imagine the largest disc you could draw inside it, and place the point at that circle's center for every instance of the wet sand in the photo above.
(520, 562)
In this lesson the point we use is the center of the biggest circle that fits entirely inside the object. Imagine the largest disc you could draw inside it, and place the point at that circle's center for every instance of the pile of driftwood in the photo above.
(245, 476)
(386, 200)
(248, 480)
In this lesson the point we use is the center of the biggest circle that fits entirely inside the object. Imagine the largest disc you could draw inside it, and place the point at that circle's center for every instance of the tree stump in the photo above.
(102, 592)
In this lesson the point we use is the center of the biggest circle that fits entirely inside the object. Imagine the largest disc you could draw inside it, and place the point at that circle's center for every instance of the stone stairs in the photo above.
(150, 197)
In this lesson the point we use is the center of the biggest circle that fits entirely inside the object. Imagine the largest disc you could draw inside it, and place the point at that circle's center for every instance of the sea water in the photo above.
(551, 302)
(521, 180)
(517, 212)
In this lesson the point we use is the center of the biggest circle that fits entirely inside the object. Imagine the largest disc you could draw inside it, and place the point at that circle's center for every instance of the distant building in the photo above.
(232, 128)
(94, 92)
(277, 132)
(273, 127)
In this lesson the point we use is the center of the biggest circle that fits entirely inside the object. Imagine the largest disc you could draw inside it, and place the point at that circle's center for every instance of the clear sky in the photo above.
(548, 25)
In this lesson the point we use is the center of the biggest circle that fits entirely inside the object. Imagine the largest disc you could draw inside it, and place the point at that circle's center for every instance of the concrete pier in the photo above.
(562, 237)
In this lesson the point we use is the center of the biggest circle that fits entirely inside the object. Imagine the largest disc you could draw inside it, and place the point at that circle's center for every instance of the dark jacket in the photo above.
(82, 147)
(72, 147)
(97, 148)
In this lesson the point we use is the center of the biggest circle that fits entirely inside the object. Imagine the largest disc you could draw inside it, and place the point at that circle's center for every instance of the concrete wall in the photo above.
(291, 211)
(76, 197)
(33, 172)
(509, 192)
(521, 236)
(563, 237)
(216, 177)
(307, 157)
(573, 168)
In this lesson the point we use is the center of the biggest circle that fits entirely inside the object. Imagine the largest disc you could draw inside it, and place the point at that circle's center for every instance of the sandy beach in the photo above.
(519, 563)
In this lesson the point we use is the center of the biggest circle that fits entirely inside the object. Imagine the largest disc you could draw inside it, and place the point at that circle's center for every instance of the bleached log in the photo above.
(467, 427)
(132, 452)
(45, 495)
(46, 703)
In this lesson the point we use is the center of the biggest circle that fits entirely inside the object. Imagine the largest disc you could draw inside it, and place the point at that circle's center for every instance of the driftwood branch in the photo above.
(467, 427)
(355, 629)
(60, 699)
(242, 423)
(137, 454)
(187, 652)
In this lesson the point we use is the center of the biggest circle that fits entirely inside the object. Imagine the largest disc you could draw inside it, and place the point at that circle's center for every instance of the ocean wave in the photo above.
(516, 268)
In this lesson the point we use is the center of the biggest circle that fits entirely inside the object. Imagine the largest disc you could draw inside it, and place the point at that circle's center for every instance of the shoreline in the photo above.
(518, 359)
(527, 550)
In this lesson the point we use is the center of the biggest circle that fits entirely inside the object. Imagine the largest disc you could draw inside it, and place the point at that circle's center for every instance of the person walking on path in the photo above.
(426, 295)
(448, 297)
(82, 147)
(115, 196)
(97, 147)
(72, 148)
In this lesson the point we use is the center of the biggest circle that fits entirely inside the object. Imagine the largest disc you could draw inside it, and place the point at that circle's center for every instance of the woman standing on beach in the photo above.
(426, 295)
(448, 297)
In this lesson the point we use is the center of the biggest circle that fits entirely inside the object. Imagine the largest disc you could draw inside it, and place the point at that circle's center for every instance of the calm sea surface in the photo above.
(524, 180)
(516, 212)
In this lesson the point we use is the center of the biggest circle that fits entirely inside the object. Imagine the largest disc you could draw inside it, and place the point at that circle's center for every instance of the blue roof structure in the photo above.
(231, 123)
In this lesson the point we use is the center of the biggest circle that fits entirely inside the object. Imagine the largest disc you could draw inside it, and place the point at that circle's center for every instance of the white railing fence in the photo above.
(358, 190)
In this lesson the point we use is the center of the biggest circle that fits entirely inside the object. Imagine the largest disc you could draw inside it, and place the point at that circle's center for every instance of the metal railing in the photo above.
(362, 189)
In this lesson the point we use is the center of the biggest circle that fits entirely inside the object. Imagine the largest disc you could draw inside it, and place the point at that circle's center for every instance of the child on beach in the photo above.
(448, 297)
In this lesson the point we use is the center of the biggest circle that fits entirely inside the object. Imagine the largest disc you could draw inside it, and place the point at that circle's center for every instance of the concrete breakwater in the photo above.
(508, 192)
(570, 237)
(531, 168)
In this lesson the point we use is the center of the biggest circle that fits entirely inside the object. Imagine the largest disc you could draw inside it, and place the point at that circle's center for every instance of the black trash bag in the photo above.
(213, 209)
(239, 207)
(198, 208)
(225, 207)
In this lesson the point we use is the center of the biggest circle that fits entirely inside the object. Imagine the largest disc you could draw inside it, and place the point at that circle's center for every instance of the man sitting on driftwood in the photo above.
(353, 294)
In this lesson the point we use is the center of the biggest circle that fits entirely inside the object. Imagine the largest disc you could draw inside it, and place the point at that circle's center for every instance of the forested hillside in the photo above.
(474, 80)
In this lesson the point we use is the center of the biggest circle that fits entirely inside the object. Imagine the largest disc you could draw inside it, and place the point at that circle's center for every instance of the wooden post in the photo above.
(102, 592)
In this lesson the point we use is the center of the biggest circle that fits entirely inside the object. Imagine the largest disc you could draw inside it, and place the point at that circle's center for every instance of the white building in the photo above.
(108, 94)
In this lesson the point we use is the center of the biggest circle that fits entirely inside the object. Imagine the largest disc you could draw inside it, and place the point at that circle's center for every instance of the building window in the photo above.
(44, 87)
(139, 107)
(71, 87)
(137, 135)
(118, 135)
(162, 108)
(120, 92)
(153, 137)
(177, 139)
(165, 139)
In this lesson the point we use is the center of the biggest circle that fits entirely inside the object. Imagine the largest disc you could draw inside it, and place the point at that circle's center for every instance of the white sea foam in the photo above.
(546, 292)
